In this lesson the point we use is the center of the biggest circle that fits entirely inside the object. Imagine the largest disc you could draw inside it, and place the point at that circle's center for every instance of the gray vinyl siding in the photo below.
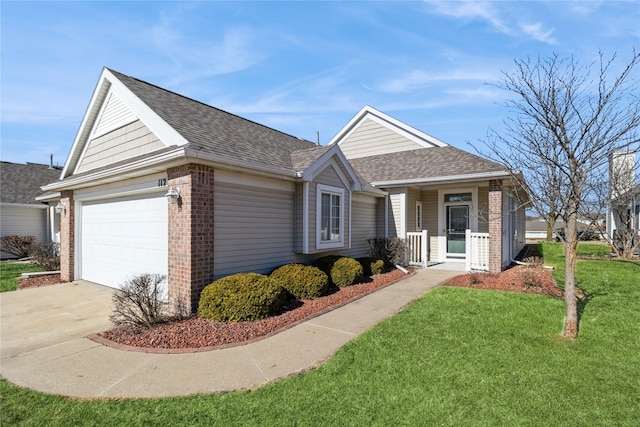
(413, 196)
(23, 221)
(381, 216)
(329, 177)
(430, 220)
(254, 228)
(125, 142)
(114, 115)
(363, 224)
(394, 215)
(371, 138)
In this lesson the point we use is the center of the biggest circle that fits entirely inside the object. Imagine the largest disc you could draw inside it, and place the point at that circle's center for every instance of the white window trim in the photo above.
(418, 215)
(327, 189)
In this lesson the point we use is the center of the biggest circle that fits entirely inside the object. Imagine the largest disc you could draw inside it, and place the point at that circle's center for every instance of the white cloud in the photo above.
(419, 79)
(471, 10)
(222, 51)
(490, 13)
(539, 33)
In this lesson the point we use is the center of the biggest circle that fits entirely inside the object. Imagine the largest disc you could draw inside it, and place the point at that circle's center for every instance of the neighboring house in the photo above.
(159, 183)
(623, 211)
(21, 213)
(537, 228)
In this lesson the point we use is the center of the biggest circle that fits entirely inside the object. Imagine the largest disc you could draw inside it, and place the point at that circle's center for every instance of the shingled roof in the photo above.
(423, 163)
(21, 183)
(216, 131)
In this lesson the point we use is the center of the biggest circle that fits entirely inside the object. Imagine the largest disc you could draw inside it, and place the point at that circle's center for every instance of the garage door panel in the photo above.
(122, 238)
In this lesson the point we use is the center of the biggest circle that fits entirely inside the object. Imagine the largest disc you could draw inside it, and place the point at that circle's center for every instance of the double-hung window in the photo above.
(330, 216)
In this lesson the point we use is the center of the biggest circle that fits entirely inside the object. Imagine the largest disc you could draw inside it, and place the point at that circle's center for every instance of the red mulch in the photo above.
(38, 281)
(198, 333)
(533, 280)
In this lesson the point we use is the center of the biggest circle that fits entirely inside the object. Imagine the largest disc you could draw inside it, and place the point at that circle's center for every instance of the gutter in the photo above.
(442, 179)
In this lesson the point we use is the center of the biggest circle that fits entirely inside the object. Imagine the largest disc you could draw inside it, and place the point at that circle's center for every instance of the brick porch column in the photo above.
(67, 242)
(495, 226)
(191, 231)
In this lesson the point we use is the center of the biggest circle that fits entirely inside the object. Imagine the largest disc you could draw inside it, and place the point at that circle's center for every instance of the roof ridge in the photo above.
(117, 73)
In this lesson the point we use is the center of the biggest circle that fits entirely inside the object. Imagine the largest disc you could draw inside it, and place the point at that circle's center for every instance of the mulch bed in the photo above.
(196, 334)
(38, 281)
(533, 280)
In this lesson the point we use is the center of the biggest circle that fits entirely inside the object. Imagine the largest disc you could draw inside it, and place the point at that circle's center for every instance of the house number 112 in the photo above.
(162, 182)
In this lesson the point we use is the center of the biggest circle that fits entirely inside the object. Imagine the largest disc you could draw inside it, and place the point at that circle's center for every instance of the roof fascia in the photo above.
(421, 138)
(443, 179)
(310, 173)
(109, 83)
(231, 164)
(24, 205)
(138, 168)
(48, 197)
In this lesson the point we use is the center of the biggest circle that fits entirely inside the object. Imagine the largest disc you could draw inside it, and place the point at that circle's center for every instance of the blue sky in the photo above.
(299, 67)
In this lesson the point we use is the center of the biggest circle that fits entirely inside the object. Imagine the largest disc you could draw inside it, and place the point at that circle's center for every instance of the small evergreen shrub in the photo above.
(301, 281)
(243, 296)
(326, 262)
(371, 266)
(345, 272)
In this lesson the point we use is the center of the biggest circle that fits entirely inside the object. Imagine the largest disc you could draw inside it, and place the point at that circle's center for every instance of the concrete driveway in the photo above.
(44, 345)
(37, 318)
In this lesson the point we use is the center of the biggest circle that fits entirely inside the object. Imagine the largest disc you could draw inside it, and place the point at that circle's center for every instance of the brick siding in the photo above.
(191, 232)
(495, 226)
(67, 236)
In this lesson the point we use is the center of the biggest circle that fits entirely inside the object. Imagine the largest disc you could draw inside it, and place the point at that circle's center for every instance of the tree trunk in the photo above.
(570, 260)
(549, 233)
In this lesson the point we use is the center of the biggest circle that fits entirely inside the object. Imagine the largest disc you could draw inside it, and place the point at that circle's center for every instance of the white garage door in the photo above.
(123, 237)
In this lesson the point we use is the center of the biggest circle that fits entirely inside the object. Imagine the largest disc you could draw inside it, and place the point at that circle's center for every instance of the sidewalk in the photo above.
(49, 352)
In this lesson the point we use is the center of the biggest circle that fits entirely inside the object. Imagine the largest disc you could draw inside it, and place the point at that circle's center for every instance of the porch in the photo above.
(476, 254)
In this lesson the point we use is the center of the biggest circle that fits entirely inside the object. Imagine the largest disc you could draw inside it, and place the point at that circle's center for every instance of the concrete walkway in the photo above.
(44, 344)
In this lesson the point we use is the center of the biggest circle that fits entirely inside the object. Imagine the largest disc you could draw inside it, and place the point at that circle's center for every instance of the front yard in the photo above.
(10, 271)
(457, 356)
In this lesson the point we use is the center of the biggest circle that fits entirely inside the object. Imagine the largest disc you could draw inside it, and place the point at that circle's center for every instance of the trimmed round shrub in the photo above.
(326, 262)
(345, 272)
(244, 296)
(371, 266)
(302, 281)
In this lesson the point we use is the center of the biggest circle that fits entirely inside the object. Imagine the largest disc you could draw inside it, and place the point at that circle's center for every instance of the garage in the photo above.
(123, 237)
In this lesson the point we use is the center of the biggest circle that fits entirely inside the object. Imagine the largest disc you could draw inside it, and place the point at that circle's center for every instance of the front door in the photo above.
(457, 224)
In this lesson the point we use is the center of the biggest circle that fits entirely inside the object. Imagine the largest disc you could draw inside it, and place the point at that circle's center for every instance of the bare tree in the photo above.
(565, 122)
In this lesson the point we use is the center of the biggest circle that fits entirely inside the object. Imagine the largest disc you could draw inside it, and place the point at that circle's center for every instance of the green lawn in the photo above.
(10, 271)
(455, 357)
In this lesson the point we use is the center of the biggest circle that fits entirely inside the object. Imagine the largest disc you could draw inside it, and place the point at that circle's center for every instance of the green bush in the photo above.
(345, 272)
(244, 296)
(302, 281)
(326, 262)
(371, 266)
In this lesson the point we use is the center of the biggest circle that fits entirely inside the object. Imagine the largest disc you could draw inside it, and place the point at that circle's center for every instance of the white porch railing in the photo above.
(417, 246)
(477, 251)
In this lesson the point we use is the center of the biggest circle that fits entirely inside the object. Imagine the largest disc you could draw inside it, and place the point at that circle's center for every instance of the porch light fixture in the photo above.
(59, 207)
(172, 195)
